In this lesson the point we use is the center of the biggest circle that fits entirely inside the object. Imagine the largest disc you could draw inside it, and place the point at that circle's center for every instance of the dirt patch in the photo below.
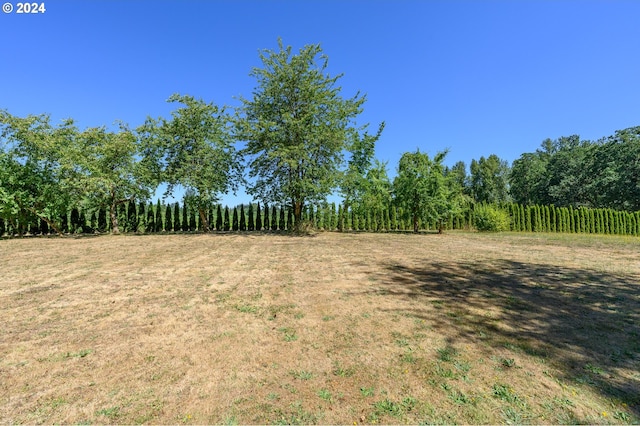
(334, 328)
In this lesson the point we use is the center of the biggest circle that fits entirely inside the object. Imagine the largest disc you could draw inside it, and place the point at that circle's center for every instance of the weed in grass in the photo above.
(458, 397)
(408, 403)
(506, 393)
(402, 343)
(512, 416)
(328, 318)
(289, 334)
(80, 354)
(247, 309)
(111, 412)
(464, 367)
(273, 396)
(386, 406)
(365, 392)
(408, 357)
(594, 369)
(341, 371)
(302, 375)
(299, 315)
(445, 373)
(325, 395)
(622, 416)
(447, 353)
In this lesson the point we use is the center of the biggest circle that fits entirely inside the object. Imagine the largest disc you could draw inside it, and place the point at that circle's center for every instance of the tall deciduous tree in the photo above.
(489, 180)
(109, 170)
(33, 181)
(193, 149)
(297, 127)
(422, 191)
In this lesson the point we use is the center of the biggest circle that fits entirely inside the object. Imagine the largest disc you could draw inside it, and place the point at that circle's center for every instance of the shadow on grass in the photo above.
(584, 322)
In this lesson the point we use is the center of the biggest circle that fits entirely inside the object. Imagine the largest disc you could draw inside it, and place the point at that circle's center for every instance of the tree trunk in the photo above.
(115, 229)
(203, 220)
(415, 223)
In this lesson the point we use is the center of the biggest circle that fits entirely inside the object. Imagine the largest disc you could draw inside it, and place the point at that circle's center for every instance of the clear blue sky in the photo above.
(477, 77)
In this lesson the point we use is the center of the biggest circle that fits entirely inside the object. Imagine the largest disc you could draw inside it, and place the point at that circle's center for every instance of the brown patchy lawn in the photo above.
(336, 328)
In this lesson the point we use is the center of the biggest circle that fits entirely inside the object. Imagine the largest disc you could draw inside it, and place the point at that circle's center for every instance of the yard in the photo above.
(335, 328)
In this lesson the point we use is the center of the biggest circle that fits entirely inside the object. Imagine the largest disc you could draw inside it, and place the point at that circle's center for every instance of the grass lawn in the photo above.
(335, 328)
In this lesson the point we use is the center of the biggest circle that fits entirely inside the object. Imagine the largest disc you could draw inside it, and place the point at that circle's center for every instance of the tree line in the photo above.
(300, 142)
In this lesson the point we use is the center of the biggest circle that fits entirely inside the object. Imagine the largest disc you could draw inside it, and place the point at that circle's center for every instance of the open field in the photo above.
(336, 328)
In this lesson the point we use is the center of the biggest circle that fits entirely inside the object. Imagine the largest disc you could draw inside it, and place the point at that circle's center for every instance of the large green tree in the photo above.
(34, 184)
(297, 127)
(193, 149)
(422, 191)
(489, 180)
(109, 170)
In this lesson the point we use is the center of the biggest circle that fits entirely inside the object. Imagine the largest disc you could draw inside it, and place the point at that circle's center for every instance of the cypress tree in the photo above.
(394, 218)
(227, 220)
(250, 224)
(331, 216)
(340, 218)
(219, 218)
(282, 225)
(592, 222)
(151, 226)
(235, 225)
(528, 218)
(184, 223)
(634, 224)
(243, 220)
(274, 218)
(258, 218)
(3, 227)
(537, 219)
(552, 218)
(159, 222)
(354, 221)
(74, 218)
(176, 217)
(168, 220)
(266, 223)
(386, 220)
(605, 221)
(193, 219)
(141, 217)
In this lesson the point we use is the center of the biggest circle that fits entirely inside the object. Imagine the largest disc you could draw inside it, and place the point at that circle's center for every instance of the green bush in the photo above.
(491, 219)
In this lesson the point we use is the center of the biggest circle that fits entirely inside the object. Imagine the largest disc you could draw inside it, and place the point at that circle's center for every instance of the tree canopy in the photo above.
(297, 127)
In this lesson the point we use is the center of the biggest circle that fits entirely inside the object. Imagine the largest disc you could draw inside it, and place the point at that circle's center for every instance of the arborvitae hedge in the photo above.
(219, 219)
(235, 225)
(282, 224)
(274, 219)
(226, 225)
(258, 218)
(243, 220)
(251, 225)
(266, 223)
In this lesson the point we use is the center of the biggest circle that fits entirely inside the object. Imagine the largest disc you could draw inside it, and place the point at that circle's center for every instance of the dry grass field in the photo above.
(335, 328)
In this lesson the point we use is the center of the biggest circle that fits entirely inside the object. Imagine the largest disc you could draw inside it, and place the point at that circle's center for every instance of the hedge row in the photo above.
(158, 217)
(569, 220)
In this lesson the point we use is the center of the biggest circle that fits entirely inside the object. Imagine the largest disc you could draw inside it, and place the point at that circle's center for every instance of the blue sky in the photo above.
(476, 77)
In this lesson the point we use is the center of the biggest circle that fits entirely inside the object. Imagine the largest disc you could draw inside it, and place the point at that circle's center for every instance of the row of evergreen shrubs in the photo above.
(149, 218)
